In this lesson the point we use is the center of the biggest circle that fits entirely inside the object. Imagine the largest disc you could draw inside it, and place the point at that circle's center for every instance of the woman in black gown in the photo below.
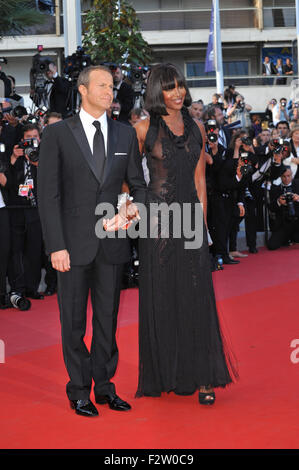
(180, 344)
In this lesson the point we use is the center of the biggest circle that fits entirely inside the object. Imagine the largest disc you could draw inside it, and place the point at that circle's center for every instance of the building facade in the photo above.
(178, 32)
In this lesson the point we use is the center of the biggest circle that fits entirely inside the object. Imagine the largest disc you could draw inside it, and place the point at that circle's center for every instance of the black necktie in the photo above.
(99, 149)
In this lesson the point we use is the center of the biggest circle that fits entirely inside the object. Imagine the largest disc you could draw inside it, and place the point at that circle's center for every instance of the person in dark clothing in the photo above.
(284, 203)
(124, 93)
(24, 272)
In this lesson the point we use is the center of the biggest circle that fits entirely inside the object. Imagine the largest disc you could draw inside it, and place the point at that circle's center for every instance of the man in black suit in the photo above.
(58, 91)
(286, 225)
(4, 235)
(84, 161)
(268, 68)
(24, 272)
(123, 92)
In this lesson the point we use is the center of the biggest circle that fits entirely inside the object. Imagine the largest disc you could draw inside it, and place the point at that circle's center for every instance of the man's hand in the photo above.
(17, 152)
(129, 211)
(13, 121)
(281, 200)
(241, 209)
(3, 179)
(61, 260)
(127, 214)
(296, 197)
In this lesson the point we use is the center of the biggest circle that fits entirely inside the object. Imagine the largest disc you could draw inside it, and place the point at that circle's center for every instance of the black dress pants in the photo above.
(102, 281)
(222, 208)
(4, 248)
(289, 231)
(24, 272)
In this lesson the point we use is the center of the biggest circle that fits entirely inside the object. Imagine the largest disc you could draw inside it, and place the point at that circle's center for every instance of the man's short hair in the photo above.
(30, 127)
(52, 115)
(283, 122)
(212, 110)
(287, 167)
(84, 75)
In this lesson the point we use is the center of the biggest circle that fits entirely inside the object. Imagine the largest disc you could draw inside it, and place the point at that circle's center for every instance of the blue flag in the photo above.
(210, 57)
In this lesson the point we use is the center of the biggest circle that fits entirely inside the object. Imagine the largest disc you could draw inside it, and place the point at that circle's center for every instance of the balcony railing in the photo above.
(238, 80)
(159, 20)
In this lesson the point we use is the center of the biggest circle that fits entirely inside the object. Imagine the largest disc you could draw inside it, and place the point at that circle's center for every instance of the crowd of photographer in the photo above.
(252, 171)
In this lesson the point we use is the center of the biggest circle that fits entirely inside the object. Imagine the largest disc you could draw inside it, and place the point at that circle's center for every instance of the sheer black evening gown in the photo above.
(181, 347)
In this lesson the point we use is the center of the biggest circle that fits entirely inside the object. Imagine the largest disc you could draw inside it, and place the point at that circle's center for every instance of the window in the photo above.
(230, 68)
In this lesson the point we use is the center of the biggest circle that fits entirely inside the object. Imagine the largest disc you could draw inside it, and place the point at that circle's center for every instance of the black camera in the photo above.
(246, 141)
(290, 203)
(75, 63)
(211, 126)
(280, 146)
(31, 149)
(136, 75)
(246, 168)
(283, 104)
(19, 302)
(40, 65)
(19, 112)
(241, 105)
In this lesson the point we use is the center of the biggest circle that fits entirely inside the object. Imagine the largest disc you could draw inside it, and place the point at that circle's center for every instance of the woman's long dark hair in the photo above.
(163, 77)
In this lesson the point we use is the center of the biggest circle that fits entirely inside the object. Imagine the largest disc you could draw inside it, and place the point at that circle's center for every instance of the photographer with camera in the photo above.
(280, 112)
(6, 87)
(5, 230)
(239, 111)
(225, 186)
(24, 271)
(8, 132)
(293, 159)
(47, 87)
(284, 205)
(123, 92)
(215, 162)
(225, 132)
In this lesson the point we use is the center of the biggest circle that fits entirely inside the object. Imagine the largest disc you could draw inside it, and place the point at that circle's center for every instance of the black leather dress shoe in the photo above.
(114, 402)
(34, 295)
(228, 260)
(50, 291)
(84, 408)
(253, 250)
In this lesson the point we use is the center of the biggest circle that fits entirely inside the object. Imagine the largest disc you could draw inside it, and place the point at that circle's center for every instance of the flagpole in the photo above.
(297, 33)
(218, 49)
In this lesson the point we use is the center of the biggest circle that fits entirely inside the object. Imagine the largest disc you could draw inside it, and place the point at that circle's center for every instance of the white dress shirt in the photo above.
(90, 130)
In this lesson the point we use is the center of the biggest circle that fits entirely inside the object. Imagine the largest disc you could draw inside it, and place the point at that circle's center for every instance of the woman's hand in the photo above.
(116, 223)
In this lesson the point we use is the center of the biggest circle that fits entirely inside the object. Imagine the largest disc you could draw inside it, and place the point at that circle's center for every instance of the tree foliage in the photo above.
(17, 15)
(112, 35)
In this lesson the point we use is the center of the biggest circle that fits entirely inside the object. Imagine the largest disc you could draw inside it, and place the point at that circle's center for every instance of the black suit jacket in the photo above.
(272, 68)
(69, 188)
(59, 96)
(19, 206)
(125, 95)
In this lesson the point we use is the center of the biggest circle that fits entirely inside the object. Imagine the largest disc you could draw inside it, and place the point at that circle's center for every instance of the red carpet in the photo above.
(258, 304)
